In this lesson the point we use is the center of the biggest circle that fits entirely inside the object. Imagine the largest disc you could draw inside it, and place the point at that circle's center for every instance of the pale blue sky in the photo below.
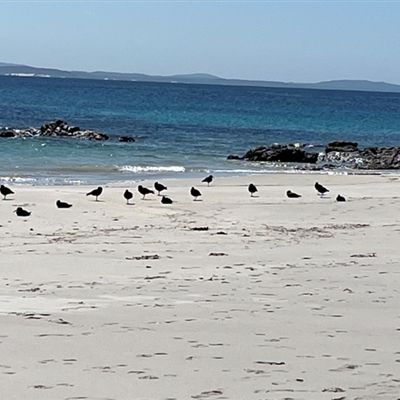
(290, 41)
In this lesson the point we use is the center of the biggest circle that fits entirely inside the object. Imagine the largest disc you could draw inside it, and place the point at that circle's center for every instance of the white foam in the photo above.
(17, 179)
(240, 171)
(137, 168)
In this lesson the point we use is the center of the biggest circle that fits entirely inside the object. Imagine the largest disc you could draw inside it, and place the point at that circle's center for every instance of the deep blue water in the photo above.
(179, 129)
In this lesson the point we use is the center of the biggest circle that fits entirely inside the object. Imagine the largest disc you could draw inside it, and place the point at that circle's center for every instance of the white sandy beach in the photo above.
(279, 299)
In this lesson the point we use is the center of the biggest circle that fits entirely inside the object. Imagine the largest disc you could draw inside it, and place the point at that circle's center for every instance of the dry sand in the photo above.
(279, 299)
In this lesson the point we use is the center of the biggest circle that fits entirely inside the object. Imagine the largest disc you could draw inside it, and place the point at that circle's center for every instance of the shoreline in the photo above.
(189, 176)
(179, 180)
(277, 298)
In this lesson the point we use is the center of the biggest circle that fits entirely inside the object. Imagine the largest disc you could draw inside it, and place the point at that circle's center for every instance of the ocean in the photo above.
(180, 130)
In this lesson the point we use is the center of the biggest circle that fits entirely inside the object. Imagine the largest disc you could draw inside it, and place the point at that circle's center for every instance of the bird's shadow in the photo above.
(7, 199)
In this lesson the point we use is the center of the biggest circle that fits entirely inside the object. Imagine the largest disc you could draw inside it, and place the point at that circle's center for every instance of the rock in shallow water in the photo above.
(126, 139)
(341, 146)
(58, 128)
(7, 134)
(279, 153)
(338, 154)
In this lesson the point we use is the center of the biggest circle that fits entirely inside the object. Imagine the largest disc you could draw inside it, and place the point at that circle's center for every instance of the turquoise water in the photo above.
(180, 130)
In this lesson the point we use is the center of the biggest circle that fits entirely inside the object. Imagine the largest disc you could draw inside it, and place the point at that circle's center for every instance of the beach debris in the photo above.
(255, 371)
(346, 226)
(210, 393)
(363, 255)
(199, 228)
(144, 257)
(154, 277)
(149, 377)
(334, 390)
(34, 289)
(271, 362)
(217, 254)
(60, 321)
(41, 387)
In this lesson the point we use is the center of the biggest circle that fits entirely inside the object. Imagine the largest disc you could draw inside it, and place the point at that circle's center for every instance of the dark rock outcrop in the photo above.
(126, 139)
(279, 153)
(58, 128)
(341, 146)
(234, 157)
(379, 158)
(369, 158)
(7, 134)
(338, 154)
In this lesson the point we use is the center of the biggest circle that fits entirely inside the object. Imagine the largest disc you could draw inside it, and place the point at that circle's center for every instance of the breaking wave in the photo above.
(138, 169)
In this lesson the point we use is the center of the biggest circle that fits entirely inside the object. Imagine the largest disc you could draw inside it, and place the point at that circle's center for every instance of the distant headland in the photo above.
(7, 69)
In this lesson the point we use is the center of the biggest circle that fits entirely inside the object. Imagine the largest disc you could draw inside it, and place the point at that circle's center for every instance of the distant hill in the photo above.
(360, 85)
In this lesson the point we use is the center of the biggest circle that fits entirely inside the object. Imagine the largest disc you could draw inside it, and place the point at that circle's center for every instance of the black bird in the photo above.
(320, 189)
(159, 187)
(62, 204)
(292, 195)
(208, 179)
(128, 195)
(96, 192)
(21, 212)
(252, 189)
(195, 193)
(5, 191)
(144, 190)
(340, 198)
(166, 200)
